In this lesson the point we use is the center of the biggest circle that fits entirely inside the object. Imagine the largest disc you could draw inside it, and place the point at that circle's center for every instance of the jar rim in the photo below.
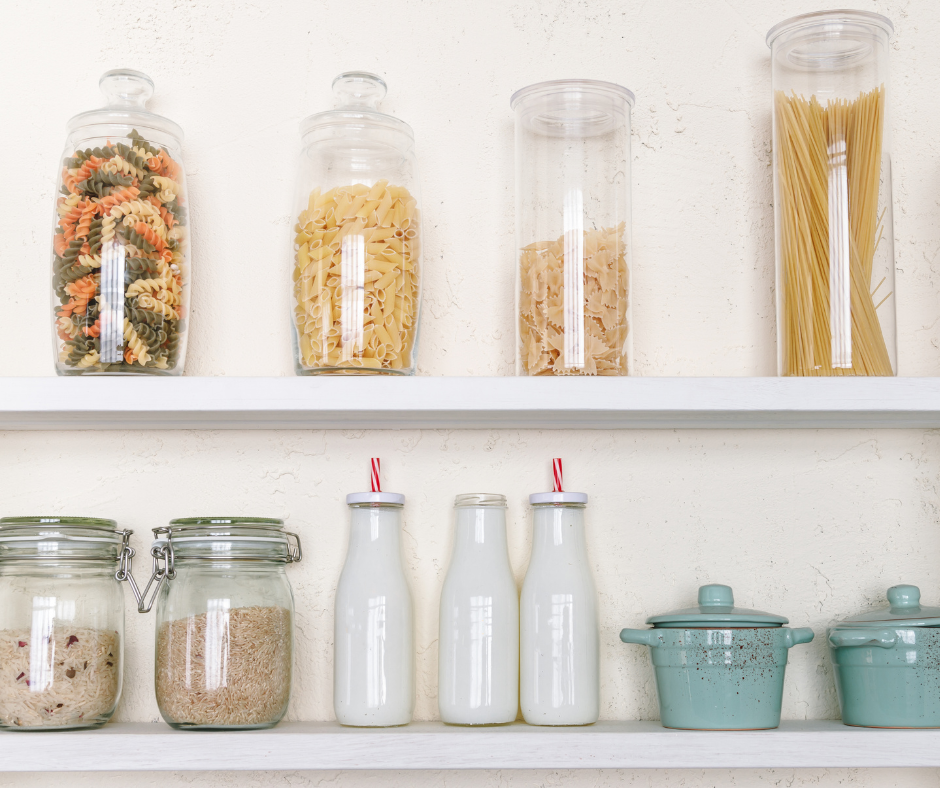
(600, 87)
(837, 16)
(480, 500)
(186, 522)
(66, 521)
(363, 118)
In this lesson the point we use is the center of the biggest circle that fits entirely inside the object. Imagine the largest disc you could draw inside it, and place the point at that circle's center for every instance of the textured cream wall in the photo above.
(813, 525)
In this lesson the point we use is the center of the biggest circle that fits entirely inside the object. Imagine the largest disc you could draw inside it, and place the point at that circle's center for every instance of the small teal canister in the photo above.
(887, 663)
(717, 666)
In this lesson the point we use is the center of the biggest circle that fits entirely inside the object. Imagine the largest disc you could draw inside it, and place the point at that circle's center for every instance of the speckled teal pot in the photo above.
(719, 679)
(721, 676)
(887, 664)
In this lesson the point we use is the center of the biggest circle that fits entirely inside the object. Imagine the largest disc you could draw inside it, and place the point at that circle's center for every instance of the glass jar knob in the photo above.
(124, 87)
(359, 89)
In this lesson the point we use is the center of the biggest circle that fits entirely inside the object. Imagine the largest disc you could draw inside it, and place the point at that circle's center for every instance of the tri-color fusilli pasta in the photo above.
(119, 260)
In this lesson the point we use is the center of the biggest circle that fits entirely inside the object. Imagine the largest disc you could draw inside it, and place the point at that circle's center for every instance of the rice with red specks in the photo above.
(68, 677)
(244, 681)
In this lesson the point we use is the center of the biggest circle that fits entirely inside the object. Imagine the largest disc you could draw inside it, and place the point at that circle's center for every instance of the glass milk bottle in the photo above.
(559, 658)
(478, 669)
(374, 659)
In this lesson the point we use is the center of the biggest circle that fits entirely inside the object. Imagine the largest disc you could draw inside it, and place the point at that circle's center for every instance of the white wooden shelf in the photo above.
(466, 403)
(607, 745)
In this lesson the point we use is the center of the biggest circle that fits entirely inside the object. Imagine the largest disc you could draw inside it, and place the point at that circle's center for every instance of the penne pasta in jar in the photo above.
(355, 284)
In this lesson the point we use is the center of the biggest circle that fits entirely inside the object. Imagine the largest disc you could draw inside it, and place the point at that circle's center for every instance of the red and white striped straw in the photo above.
(556, 473)
(376, 471)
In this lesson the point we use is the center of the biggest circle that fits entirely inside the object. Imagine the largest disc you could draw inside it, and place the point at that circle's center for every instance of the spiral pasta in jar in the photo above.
(120, 251)
(573, 228)
(356, 278)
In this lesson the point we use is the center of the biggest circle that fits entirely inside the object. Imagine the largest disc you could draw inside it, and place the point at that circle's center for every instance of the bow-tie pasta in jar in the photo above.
(356, 284)
(120, 249)
(573, 228)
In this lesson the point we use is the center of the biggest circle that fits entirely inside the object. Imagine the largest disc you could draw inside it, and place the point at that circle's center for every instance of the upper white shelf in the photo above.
(428, 745)
(466, 403)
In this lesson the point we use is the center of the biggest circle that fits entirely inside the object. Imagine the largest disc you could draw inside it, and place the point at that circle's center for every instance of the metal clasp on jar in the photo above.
(163, 569)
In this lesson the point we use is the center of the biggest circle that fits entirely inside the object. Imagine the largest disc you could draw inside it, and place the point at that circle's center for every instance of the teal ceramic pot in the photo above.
(887, 664)
(717, 666)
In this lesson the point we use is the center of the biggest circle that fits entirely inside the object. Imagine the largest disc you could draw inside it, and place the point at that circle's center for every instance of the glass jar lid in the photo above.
(830, 22)
(572, 107)
(228, 539)
(904, 608)
(358, 94)
(54, 537)
(484, 500)
(127, 93)
(716, 609)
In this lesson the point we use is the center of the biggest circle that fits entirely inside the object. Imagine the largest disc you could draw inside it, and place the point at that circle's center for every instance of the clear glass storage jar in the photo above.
(61, 621)
(356, 283)
(224, 642)
(832, 195)
(573, 228)
(120, 250)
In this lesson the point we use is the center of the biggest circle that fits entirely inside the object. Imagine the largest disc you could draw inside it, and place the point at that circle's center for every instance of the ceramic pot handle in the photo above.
(880, 638)
(642, 637)
(795, 637)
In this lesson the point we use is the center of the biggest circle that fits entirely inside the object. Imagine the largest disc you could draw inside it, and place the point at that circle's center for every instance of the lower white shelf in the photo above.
(432, 745)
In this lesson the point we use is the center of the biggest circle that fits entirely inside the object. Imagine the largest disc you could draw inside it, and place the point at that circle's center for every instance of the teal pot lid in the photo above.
(904, 608)
(716, 609)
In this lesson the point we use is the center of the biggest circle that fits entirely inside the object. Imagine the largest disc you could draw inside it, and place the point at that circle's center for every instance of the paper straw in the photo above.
(376, 470)
(556, 473)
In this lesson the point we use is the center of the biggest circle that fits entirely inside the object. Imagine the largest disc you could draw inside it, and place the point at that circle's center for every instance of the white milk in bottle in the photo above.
(478, 665)
(374, 651)
(559, 641)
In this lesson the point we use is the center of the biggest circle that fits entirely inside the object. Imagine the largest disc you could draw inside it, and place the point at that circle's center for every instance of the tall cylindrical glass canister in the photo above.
(573, 228)
(374, 646)
(478, 648)
(356, 259)
(832, 195)
(61, 621)
(225, 621)
(559, 641)
(120, 246)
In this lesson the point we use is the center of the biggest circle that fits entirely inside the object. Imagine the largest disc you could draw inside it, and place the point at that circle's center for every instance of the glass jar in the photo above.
(832, 195)
(120, 251)
(225, 610)
(61, 621)
(573, 228)
(356, 284)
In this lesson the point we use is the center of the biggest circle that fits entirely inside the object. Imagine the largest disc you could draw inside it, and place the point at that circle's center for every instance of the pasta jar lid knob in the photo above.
(359, 89)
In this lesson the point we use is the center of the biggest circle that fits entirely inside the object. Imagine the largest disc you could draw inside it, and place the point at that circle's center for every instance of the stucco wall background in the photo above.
(810, 524)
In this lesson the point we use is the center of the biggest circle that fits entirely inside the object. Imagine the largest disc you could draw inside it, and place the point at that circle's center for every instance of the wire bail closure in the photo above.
(163, 569)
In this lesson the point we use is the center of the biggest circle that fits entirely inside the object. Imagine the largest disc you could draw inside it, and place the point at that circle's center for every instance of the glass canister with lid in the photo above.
(120, 244)
(224, 642)
(832, 202)
(573, 228)
(61, 621)
(356, 284)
